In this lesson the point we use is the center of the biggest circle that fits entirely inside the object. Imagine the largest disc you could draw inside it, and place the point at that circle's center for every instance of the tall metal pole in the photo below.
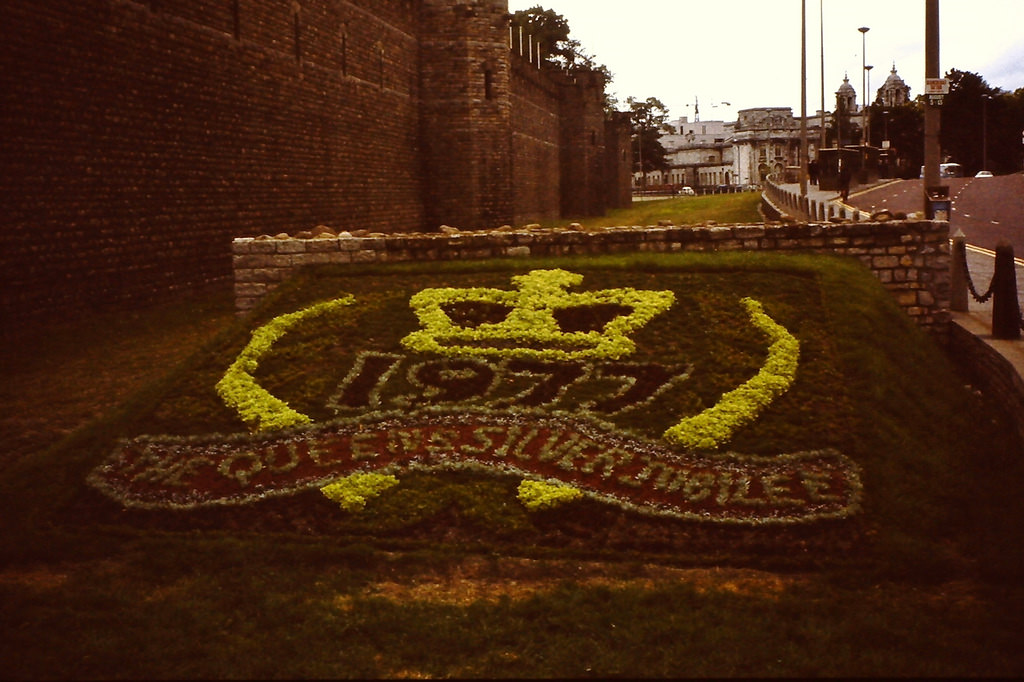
(867, 117)
(803, 98)
(984, 131)
(932, 117)
(821, 18)
(863, 82)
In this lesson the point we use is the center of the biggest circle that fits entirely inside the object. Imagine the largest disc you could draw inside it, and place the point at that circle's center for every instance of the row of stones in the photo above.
(910, 258)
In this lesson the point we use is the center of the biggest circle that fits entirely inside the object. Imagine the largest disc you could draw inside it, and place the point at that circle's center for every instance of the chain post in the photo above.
(958, 274)
(1005, 308)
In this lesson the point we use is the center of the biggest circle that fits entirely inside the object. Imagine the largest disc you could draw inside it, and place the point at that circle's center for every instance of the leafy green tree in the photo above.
(548, 28)
(647, 118)
(964, 110)
(903, 126)
(1005, 129)
(981, 126)
(557, 47)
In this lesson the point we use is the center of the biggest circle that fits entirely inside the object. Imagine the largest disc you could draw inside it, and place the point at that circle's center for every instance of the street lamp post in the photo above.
(867, 117)
(821, 38)
(886, 144)
(803, 99)
(932, 114)
(863, 82)
(984, 131)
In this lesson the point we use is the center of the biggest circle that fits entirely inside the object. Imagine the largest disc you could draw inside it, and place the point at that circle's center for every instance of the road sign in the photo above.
(936, 86)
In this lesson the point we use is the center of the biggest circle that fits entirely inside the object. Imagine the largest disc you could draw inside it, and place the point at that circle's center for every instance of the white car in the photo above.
(984, 174)
(687, 191)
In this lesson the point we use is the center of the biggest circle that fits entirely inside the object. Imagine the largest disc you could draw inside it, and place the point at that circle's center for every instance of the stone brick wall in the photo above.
(972, 347)
(568, 157)
(911, 259)
(466, 113)
(618, 161)
(536, 144)
(141, 136)
(583, 140)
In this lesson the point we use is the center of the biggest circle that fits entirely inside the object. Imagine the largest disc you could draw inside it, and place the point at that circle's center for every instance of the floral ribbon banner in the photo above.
(450, 408)
(187, 473)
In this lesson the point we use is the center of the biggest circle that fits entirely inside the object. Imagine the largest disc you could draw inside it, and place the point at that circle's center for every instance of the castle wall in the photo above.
(141, 137)
(536, 144)
(466, 113)
(583, 144)
(618, 191)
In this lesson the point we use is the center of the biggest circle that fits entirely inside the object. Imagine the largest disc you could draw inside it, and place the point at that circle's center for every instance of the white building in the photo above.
(767, 142)
(763, 141)
(699, 153)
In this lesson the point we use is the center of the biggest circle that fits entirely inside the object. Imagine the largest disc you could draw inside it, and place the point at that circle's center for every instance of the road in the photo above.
(986, 210)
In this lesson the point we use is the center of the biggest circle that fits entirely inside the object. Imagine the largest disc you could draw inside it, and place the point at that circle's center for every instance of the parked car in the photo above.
(948, 170)
(687, 191)
(984, 174)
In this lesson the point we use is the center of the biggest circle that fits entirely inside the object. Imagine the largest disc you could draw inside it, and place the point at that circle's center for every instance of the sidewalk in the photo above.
(978, 318)
(829, 199)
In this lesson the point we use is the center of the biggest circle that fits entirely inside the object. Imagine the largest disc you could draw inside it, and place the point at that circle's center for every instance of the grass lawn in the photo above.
(447, 574)
(740, 207)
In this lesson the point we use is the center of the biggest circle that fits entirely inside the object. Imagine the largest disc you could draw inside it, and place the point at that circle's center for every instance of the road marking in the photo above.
(991, 254)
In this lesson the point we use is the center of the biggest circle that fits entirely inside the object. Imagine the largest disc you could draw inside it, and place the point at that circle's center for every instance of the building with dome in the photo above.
(765, 141)
(894, 92)
(847, 130)
(846, 97)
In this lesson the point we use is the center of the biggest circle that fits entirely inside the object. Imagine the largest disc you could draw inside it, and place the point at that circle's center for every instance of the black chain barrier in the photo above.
(1007, 278)
(980, 298)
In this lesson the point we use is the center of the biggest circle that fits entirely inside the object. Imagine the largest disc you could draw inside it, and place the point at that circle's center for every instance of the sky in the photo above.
(729, 55)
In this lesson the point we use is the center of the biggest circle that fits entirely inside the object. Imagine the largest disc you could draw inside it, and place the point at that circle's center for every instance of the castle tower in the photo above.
(584, 162)
(466, 113)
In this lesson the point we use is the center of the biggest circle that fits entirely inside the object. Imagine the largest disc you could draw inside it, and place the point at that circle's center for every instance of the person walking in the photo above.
(844, 181)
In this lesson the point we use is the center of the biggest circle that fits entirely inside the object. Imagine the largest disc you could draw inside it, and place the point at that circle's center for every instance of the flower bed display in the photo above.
(669, 393)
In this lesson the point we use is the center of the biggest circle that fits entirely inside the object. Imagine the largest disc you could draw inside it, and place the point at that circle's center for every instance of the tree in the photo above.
(548, 28)
(1005, 128)
(981, 126)
(647, 118)
(965, 115)
(903, 126)
(551, 30)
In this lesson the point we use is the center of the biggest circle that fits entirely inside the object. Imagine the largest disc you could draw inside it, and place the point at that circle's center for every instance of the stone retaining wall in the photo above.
(972, 348)
(911, 259)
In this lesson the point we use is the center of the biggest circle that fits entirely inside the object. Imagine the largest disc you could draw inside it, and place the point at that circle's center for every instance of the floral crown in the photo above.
(529, 326)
